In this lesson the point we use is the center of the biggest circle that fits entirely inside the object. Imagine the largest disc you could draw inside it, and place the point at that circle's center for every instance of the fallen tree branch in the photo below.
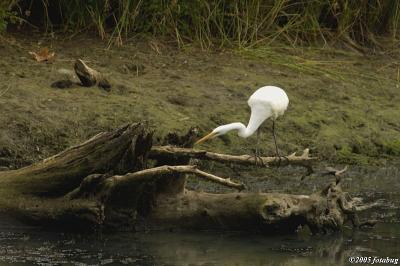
(293, 159)
(104, 183)
(123, 180)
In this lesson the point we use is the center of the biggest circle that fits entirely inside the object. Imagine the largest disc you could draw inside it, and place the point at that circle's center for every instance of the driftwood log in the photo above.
(106, 182)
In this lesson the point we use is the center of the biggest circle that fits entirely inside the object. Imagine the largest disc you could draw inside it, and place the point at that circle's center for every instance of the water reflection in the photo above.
(27, 246)
(303, 249)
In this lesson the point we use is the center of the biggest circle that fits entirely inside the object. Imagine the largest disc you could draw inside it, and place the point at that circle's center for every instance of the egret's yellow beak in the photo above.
(206, 137)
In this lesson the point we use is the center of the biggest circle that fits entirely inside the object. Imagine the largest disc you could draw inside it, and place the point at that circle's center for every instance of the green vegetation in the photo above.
(393, 148)
(7, 15)
(219, 22)
(342, 102)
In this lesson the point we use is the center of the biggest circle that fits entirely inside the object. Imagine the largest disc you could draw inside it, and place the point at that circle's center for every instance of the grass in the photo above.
(331, 64)
(219, 22)
(351, 88)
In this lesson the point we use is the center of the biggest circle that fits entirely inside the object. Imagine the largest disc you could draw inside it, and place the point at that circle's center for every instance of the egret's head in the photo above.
(218, 131)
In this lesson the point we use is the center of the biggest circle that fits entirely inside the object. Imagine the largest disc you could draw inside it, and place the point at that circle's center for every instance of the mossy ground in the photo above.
(344, 106)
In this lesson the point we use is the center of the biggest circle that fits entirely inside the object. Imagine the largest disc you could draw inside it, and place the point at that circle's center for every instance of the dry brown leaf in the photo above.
(43, 55)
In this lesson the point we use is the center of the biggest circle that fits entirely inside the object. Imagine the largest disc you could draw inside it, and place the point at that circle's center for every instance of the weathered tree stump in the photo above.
(90, 77)
(105, 182)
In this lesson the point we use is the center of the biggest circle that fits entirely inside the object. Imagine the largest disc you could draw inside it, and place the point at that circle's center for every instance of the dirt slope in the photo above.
(343, 105)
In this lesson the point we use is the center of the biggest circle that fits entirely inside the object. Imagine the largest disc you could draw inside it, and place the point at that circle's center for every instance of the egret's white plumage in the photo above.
(266, 102)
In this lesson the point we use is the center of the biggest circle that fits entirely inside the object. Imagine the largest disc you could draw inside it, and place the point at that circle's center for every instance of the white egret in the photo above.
(266, 102)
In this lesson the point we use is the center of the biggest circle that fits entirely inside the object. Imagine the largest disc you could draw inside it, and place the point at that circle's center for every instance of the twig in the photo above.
(167, 169)
(333, 171)
(223, 181)
(293, 159)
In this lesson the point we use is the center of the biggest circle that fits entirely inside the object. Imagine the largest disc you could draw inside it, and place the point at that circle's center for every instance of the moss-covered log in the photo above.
(106, 182)
(37, 192)
(266, 212)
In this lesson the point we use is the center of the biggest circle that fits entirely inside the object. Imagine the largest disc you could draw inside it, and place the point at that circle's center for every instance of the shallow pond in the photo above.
(27, 246)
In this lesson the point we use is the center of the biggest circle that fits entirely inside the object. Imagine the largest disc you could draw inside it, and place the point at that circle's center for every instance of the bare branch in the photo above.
(223, 181)
(293, 159)
(333, 171)
(167, 169)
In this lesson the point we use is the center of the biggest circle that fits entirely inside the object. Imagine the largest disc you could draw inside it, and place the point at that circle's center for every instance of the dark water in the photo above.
(28, 246)
(31, 246)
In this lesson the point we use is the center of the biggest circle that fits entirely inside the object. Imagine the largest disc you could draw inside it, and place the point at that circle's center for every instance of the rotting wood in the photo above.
(105, 182)
(90, 77)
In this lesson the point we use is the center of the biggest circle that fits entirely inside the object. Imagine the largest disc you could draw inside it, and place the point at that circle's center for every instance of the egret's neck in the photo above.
(242, 130)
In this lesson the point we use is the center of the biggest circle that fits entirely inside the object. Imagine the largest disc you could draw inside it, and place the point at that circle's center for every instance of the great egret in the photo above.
(266, 102)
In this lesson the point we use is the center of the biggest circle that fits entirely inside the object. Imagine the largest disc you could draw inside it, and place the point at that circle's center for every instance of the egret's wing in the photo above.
(271, 96)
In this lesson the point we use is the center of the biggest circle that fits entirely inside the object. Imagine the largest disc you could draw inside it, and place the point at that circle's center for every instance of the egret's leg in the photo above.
(276, 146)
(258, 142)
(257, 157)
(257, 151)
(274, 135)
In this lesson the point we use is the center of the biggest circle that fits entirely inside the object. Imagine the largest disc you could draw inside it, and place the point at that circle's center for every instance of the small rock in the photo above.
(67, 74)
(62, 84)
(178, 100)
(21, 75)
(175, 77)
(104, 84)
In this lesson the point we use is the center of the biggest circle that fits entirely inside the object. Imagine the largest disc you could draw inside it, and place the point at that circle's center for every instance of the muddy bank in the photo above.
(351, 119)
